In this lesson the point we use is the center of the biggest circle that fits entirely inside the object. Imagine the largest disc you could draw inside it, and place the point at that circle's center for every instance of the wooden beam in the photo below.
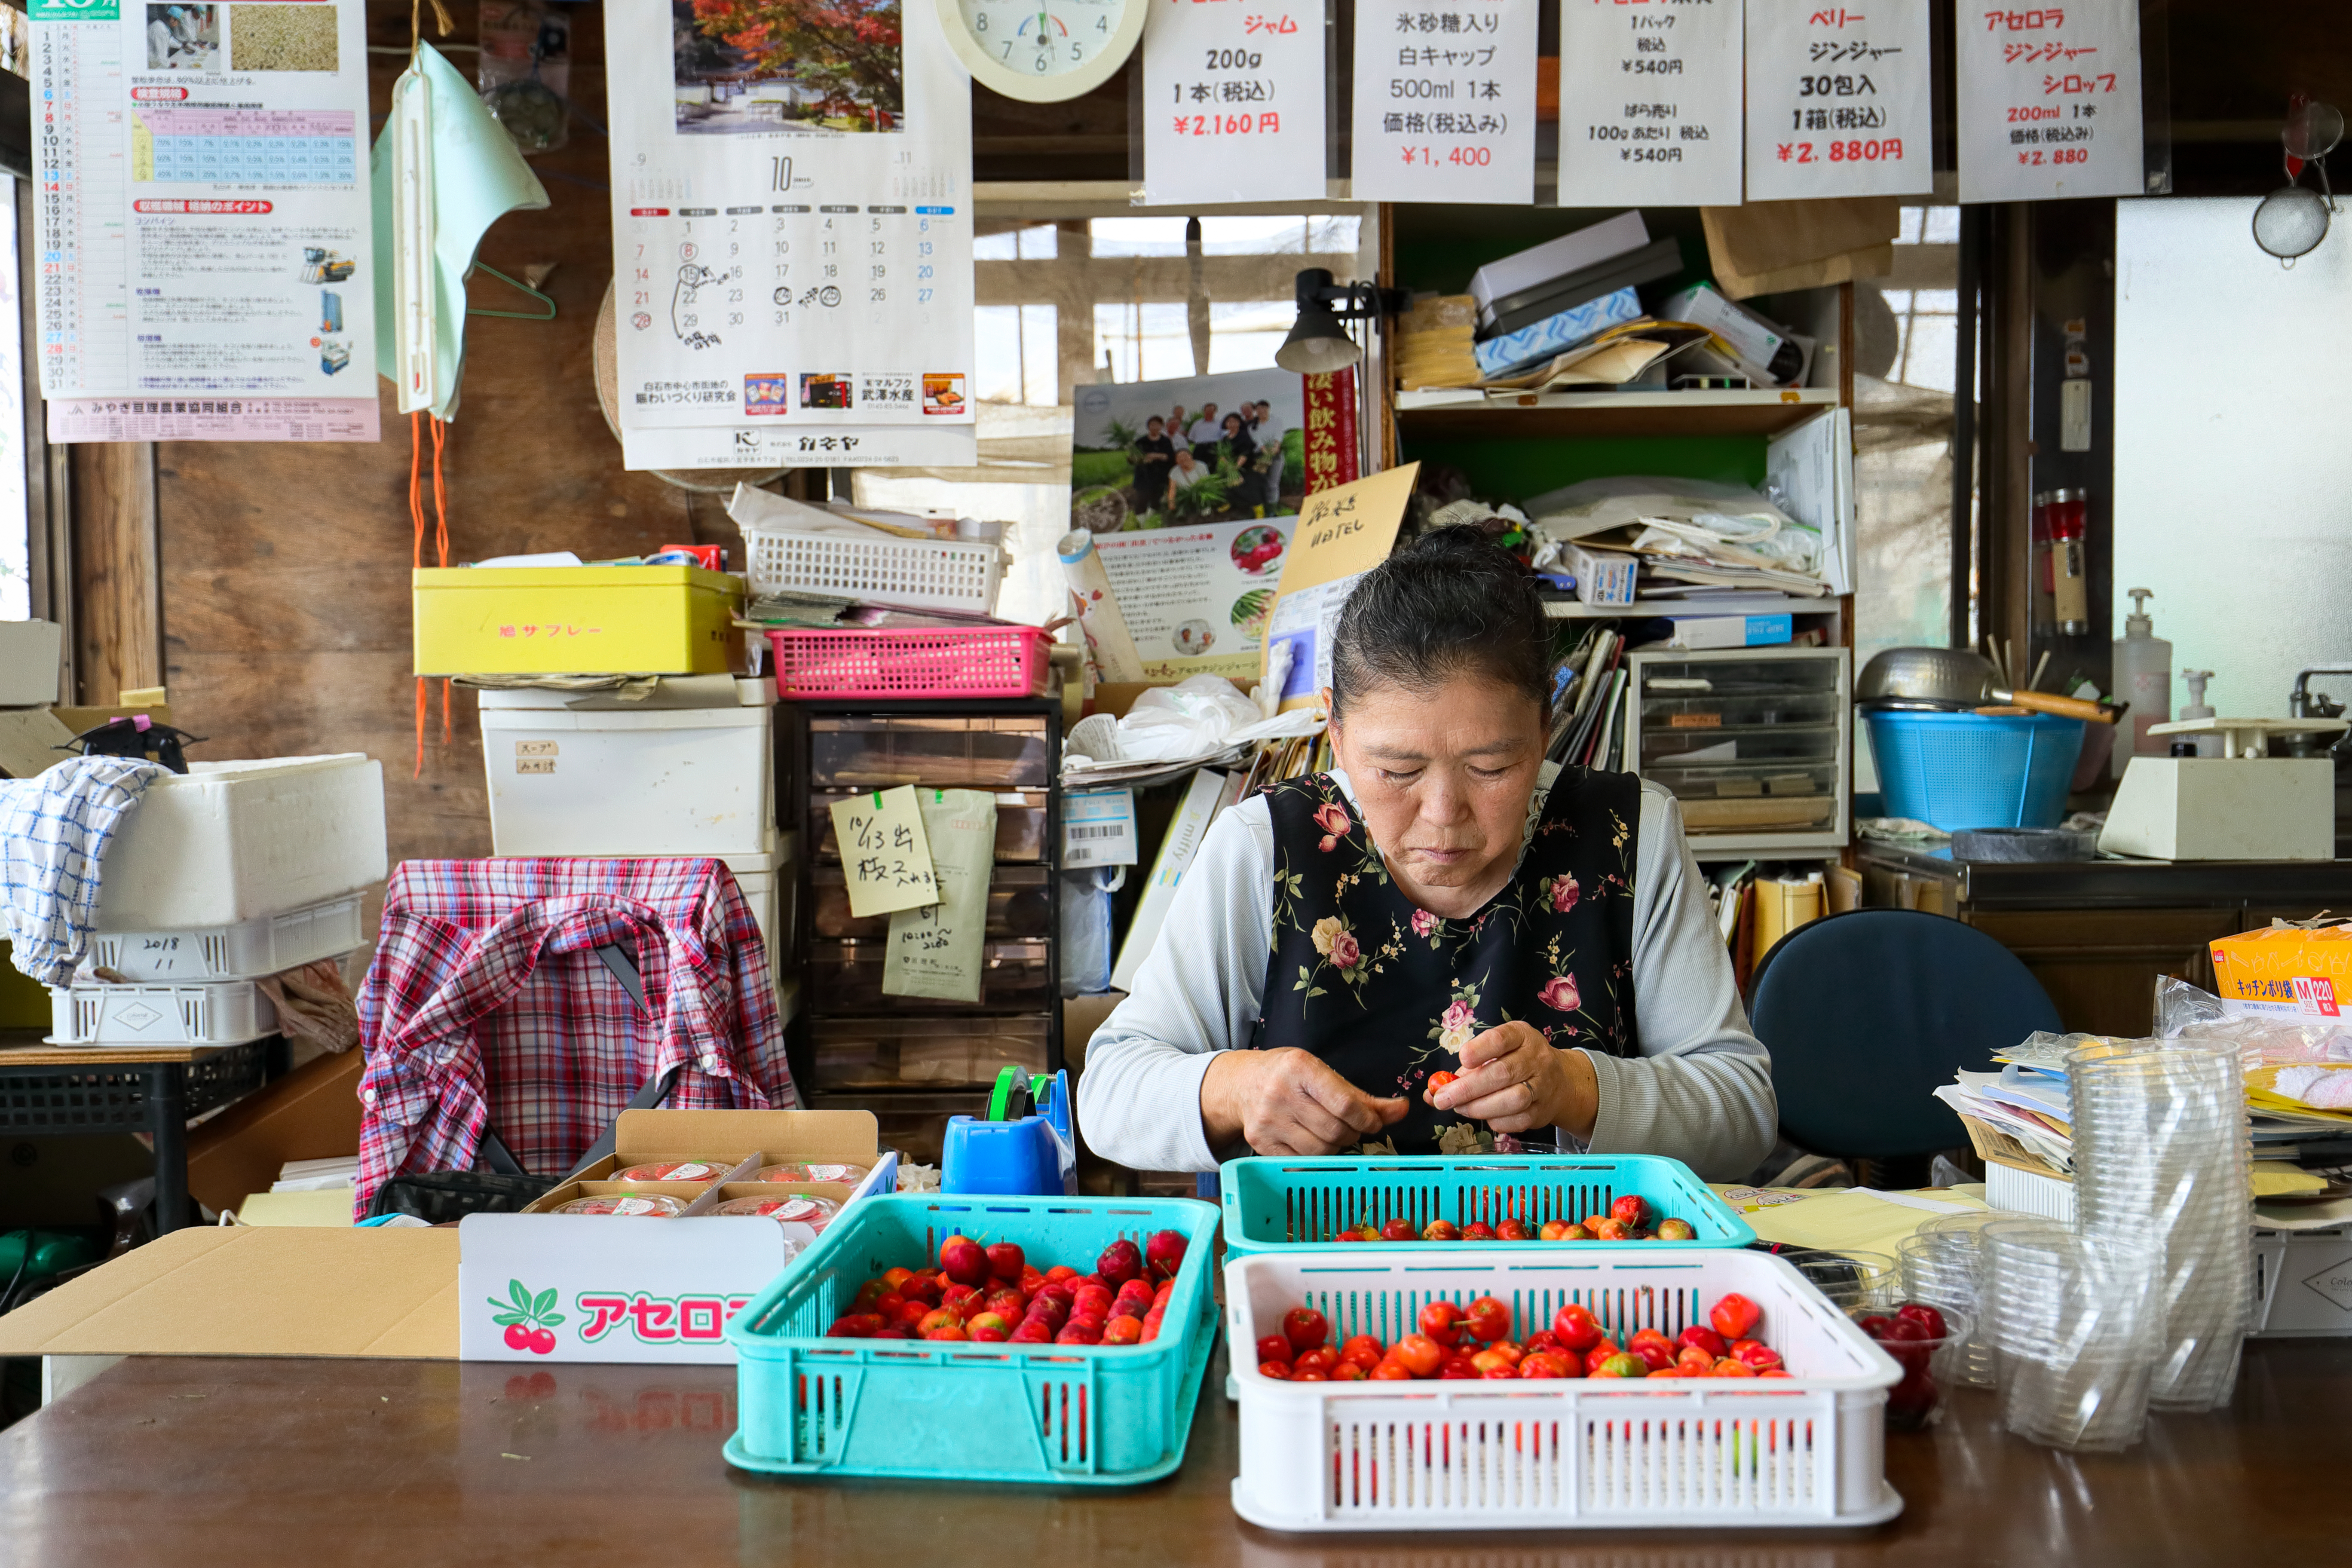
(118, 613)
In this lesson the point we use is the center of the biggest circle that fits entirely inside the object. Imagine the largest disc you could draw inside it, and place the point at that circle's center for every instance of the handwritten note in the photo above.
(2048, 102)
(1445, 102)
(885, 851)
(1649, 102)
(1838, 100)
(935, 951)
(1340, 534)
(1233, 102)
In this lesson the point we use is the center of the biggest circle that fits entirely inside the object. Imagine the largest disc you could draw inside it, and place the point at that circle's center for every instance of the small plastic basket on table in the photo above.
(1086, 1415)
(956, 574)
(939, 661)
(1807, 1451)
(1277, 1205)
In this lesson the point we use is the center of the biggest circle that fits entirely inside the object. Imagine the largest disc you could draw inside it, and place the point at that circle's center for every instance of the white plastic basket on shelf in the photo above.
(1803, 1451)
(223, 1012)
(955, 574)
(266, 944)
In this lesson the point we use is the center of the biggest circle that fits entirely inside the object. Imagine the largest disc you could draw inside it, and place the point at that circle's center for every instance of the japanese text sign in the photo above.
(2049, 102)
(1445, 102)
(1838, 99)
(885, 853)
(1233, 93)
(1649, 102)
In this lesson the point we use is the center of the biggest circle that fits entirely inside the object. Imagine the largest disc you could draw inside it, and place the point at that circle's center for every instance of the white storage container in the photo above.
(958, 574)
(266, 944)
(1804, 1451)
(223, 1012)
(2029, 1192)
(2303, 1282)
(229, 842)
(768, 881)
(28, 662)
(594, 777)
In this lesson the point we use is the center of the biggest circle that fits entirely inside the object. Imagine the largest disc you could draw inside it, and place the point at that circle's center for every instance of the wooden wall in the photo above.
(284, 568)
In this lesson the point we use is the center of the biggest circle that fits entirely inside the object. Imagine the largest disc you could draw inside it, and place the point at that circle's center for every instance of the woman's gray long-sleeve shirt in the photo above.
(1701, 1090)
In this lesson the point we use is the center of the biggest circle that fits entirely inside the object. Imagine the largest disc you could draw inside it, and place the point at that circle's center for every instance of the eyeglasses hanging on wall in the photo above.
(2293, 220)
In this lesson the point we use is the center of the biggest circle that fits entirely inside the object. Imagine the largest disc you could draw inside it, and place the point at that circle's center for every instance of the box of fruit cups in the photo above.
(645, 1254)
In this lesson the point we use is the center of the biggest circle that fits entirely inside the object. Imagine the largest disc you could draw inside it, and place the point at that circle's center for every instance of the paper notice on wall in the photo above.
(1232, 99)
(777, 446)
(205, 221)
(1196, 598)
(1649, 102)
(1838, 100)
(1305, 622)
(792, 230)
(884, 852)
(935, 951)
(2049, 104)
(1340, 534)
(1445, 102)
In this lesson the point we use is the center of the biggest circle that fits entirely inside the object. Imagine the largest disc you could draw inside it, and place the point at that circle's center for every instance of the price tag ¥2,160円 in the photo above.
(1232, 101)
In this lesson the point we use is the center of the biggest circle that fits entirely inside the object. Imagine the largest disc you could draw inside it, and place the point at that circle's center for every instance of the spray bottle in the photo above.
(2143, 670)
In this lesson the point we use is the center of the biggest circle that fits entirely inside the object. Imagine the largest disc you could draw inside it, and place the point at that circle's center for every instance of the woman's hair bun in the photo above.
(1449, 603)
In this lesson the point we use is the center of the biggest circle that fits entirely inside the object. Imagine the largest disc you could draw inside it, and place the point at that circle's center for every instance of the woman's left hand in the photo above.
(1513, 1079)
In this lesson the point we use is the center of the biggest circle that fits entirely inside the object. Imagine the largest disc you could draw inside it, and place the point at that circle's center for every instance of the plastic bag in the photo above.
(525, 75)
(1087, 928)
(2187, 1011)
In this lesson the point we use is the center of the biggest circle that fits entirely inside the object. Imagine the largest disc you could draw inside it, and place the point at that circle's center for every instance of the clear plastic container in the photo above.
(844, 976)
(1020, 825)
(882, 751)
(891, 1052)
(673, 1171)
(649, 1206)
(1751, 743)
(1020, 903)
(813, 1213)
(848, 1175)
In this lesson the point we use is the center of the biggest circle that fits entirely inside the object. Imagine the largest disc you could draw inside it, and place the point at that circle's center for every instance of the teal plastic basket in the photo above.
(1085, 1415)
(1276, 1205)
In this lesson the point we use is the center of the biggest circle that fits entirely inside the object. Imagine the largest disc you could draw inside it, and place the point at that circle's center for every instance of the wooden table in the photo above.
(55, 1090)
(252, 1463)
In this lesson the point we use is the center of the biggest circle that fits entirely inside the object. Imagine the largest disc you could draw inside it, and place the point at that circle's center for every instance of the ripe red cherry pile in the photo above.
(1475, 1342)
(1628, 1220)
(994, 1295)
(1911, 1336)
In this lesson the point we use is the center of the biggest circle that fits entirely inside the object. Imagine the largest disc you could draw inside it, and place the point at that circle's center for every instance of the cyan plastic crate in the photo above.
(1277, 1205)
(1089, 1415)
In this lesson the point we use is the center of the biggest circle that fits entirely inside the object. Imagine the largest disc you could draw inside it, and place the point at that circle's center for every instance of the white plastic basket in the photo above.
(266, 944)
(1803, 1451)
(222, 1013)
(911, 573)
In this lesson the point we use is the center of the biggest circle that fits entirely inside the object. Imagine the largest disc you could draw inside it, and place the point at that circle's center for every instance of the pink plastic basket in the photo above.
(961, 661)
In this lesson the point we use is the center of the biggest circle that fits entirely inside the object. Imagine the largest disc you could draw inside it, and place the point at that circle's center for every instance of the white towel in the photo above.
(54, 832)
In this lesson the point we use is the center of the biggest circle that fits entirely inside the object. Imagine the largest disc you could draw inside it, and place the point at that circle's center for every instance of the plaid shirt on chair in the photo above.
(485, 1007)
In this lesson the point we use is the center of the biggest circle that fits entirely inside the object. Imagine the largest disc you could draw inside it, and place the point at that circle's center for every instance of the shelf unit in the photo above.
(1519, 444)
(913, 1106)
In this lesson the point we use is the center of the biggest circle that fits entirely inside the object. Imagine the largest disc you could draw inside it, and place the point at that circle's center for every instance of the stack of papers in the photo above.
(317, 1175)
(2027, 1104)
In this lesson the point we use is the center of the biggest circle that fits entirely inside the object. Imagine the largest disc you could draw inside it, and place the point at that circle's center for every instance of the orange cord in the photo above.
(416, 556)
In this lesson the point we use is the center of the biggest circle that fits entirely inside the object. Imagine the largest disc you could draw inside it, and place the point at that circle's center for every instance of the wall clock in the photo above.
(1043, 51)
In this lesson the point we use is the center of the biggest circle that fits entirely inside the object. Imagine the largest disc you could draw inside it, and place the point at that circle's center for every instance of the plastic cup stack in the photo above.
(2161, 1149)
(2073, 1319)
(1856, 1283)
(1944, 1269)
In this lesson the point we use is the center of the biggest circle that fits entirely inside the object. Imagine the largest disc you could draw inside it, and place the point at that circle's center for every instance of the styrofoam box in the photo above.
(266, 944)
(568, 778)
(2029, 1192)
(1806, 1450)
(220, 1013)
(227, 842)
(2303, 1282)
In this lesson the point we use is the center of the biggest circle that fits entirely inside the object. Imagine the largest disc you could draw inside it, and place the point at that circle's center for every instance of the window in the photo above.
(1013, 348)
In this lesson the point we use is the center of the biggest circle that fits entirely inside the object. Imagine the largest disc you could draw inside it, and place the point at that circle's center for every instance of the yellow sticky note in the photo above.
(1342, 532)
(884, 852)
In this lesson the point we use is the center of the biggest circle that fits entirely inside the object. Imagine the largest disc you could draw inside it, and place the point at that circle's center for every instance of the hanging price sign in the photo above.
(2048, 102)
(1838, 100)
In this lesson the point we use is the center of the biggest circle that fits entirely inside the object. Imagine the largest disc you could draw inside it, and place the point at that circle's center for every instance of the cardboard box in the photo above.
(575, 620)
(29, 662)
(240, 1290)
(310, 1113)
(1603, 578)
(2293, 972)
(608, 1289)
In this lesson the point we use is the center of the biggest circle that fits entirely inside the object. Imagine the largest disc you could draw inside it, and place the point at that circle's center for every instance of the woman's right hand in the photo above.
(1287, 1101)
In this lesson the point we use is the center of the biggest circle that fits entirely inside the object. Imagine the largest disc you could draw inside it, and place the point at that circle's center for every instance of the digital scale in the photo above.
(2244, 805)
